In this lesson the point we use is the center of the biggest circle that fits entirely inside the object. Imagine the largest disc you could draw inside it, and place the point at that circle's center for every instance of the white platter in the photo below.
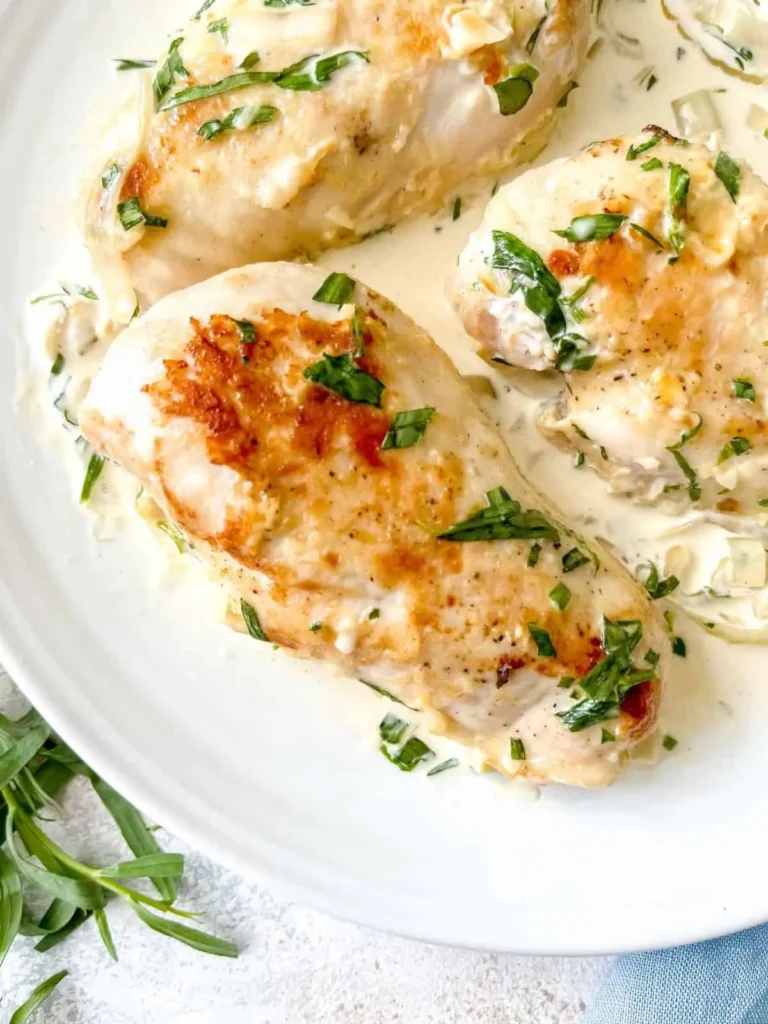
(270, 766)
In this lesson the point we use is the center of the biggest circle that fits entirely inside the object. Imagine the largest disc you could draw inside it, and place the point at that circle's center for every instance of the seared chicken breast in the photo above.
(276, 128)
(322, 454)
(638, 269)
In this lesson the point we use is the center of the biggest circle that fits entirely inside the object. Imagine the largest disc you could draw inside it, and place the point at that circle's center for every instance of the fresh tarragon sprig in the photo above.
(34, 769)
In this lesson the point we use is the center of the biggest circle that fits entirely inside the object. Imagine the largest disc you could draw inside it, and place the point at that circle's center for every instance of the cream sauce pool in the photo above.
(639, 65)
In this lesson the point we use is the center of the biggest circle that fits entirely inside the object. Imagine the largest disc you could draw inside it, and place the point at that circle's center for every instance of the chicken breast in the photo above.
(731, 32)
(324, 456)
(638, 269)
(277, 128)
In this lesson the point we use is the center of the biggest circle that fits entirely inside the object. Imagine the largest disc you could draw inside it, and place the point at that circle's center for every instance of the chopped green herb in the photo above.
(392, 729)
(170, 71)
(574, 559)
(588, 712)
(206, 5)
(646, 234)
(126, 64)
(407, 428)
(452, 762)
(669, 743)
(658, 588)
(578, 314)
(533, 38)
(541, 290)
(560, 596)
(763, 502)
(221, 27)
(503, 519)
(343, 376)
(606, 737)
(651, 165)
(652, 657)
(385, 693)
(287, 3)
(741, 53)
(456, 208)
(592, 227)
(375, 614)
(411, 754)
(743, 388)
(514, 92)
(516, 749)
(603, 453)
(533, 556)
(252, 622)
(580, 432)
(315, 627)
(250, 60)
(92, 474)
(565, 682)
(579, 460)
(336, 290)
(240, 119)
(687, 435)
(694, 488)
(570, 354)
(679, 184)
(543, 641)
(679, 647)
(174, 534)
(563, 101)
(58, 365)
(131, 215)
(642, 147)
(68, 291)
(308, 75)
(729, 172)
(110, 176)
(736, 446)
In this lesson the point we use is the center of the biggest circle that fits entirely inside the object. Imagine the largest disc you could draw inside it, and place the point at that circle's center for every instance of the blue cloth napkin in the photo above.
(723, 981)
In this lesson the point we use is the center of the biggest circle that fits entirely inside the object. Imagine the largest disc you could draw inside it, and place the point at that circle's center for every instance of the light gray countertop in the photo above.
(297, 966)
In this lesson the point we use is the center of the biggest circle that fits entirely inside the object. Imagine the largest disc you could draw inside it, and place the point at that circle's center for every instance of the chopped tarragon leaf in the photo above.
(392, 729)
(611, 679)
(252, 622)
(240, 119)
(174, 534)
(543, 641)
(669, 743)
(572, 300)
(646, 234)
(374, 614)
(679, 184)
(763, 502)
(68, 291)
(172, 69)
(743, 388)
(742, 54)
(534, 36)
(131, 215)
(694, 489)
(729, 172)
(411, 754)
(24, 1013)
(452, 762)
(287, 3)
(606, 736)
(657, 587)
(336, 290)
(592, 227)
(574, 559)
(652, 657)
(250, 60)
(208, 4)
(514, 91)
(654, 164)
(736, 446)
(384, 693)
(678, 646)
(110, 176)
(308, 75)
(126, 64)
(560, 596)
(456, 208)
(503, 519)
(533, 556)
(407, 428)
(570, 354)
(580, 431)
(516, 749)
(58, 366)
(221, 27)
(563, 101)
(93, 472)
(642, 147)
(565, 682)
(315, 627)
(541, 289)
(343, 376)
(578, 460)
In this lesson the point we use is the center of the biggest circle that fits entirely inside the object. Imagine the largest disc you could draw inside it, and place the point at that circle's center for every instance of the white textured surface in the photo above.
(296, 966)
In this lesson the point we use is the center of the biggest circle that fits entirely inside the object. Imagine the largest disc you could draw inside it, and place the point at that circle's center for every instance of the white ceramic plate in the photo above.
(263, 763)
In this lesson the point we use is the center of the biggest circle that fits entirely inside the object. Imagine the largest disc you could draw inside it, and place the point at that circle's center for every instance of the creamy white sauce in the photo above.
(411, 264)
